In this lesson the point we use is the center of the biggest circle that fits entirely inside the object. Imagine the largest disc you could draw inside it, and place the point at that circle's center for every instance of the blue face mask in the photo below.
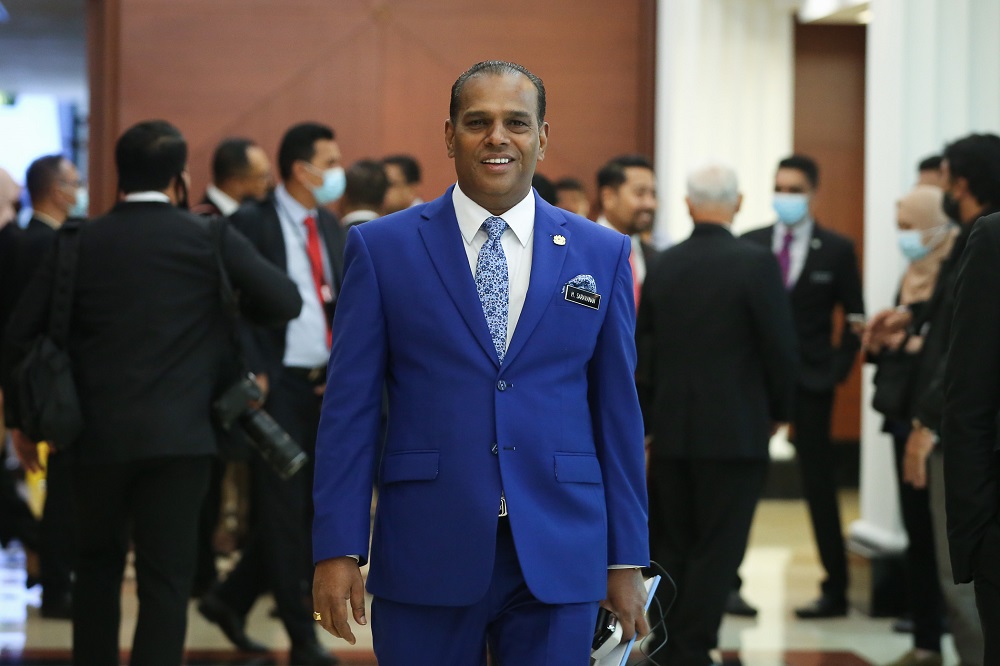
(791, 208)
(79, 209)
(332, 188)
(911, 244)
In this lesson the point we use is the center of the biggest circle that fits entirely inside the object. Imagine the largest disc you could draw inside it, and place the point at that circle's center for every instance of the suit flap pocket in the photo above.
(410, 466)
(577, 468)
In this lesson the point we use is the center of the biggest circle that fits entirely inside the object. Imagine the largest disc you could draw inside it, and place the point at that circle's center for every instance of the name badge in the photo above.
(583, 297)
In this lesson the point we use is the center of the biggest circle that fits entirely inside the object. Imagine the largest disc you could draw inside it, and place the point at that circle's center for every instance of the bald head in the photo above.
(9, 194)
(713, 193)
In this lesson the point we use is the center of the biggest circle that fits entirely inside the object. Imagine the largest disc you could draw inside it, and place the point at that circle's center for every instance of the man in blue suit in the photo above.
(511, 480)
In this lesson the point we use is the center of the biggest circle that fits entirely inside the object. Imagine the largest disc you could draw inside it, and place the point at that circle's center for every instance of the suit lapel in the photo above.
(446, 248)
(333, 238)
(815, 244)
(547, 260)
(274, 239)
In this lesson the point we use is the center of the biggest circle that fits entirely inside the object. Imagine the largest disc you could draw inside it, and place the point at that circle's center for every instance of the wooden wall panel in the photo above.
(830, 127)
(377, 71)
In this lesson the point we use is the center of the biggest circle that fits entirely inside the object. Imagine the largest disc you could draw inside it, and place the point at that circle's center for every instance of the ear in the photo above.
(739, 203)
(606, 195)
(449, 137)
(543, 140)
(687, 200)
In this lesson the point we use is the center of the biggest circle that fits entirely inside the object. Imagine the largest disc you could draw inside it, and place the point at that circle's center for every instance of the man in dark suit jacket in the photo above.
(820, 271)
(721, 376)
(293, 231)
(53, 183)
(148, 340)
(241, 172)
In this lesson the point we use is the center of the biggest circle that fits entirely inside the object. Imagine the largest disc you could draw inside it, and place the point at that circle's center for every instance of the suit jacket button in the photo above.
(501, 385)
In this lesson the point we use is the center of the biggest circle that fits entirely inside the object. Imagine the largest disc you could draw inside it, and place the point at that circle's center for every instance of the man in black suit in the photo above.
(294, 231)
(820, 271)
(365, 192)
(148, 339)
(626, 190)
(53, 183)
(240, 172)
(721, 375)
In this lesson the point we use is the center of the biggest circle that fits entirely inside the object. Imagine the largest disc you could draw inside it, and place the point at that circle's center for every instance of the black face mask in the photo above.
(949, 204)
(182, 193)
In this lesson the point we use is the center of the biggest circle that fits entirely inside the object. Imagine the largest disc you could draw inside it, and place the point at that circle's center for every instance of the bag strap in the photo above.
(67, 254)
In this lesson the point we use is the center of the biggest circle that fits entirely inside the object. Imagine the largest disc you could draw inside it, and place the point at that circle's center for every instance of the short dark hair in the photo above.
(803, 163)
(408, 165)
(299, 143)
(977, 159)
(569, 184)
(612, 174)
(366, 183)
(42, 176)
(495, 68)
(546, 190)
(230, 159)
(932, 163)
(149, 155)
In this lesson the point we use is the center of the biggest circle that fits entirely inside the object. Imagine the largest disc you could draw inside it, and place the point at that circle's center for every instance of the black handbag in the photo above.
(48, 403)
(894, 377)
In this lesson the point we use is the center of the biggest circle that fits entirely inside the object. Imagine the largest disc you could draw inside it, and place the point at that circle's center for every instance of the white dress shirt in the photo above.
(225, 203)
(516, 242)
(797, 251)
(146, 197)
(305, 338)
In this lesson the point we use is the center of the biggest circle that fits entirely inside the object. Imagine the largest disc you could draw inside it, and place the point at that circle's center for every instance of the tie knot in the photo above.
(789, 237)
(495, 227)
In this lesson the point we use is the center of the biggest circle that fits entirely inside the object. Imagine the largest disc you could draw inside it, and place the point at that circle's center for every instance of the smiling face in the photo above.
(496, 139)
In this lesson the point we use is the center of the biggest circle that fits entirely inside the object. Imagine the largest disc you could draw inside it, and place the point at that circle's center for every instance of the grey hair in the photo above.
(713, 183)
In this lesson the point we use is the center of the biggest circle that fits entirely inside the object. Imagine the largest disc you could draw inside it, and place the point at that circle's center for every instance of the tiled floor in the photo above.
(780, 572)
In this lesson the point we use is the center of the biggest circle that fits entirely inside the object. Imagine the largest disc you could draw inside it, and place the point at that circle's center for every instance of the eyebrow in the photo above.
(512, 114)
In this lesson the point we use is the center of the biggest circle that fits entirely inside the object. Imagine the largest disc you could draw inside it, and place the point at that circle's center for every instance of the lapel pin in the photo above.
(559, 239)
(816, 243)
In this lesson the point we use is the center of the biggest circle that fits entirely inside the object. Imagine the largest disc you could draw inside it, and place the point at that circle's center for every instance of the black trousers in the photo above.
(814, 451)
(57, 530)
(987, 584)
(702, 511)
(278, 555)
(156, 503)
(923, 588)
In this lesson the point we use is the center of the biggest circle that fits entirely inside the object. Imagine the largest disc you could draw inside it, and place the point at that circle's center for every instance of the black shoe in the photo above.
(737, 605)
(58, 607)
(311, 654)
(822, 608)
(215, 610)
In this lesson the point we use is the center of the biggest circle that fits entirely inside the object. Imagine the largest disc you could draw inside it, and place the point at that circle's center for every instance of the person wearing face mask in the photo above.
(925, 239)
(53, 183)
(820, 271)
(293, 229)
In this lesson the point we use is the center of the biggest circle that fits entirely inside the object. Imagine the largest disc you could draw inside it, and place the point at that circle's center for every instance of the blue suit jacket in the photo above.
(557, 427)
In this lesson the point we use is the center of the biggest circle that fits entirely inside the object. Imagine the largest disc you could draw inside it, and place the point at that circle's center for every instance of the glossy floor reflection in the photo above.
(779, 572)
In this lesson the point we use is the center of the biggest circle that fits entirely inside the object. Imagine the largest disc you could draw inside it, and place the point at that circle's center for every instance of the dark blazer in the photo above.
(721, 348)
(259, 222)
(148, 336)
(972, 400)
(10, 236)
(829, 278)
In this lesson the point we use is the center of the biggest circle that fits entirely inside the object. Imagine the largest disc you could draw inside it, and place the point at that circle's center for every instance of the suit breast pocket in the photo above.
(821, 277)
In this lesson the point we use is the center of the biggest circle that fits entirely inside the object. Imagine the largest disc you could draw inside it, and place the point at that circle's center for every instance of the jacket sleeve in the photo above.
(268, 297)
(617, 420)
(772, 315)
(852, 302)
(972, 400)
(352, 408)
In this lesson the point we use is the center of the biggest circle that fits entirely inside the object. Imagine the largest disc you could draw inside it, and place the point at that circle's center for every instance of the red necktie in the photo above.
(316, 263)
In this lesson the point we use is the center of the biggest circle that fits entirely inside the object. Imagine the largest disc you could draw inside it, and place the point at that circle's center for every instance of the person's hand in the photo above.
(26, 450)
(627, 600)
(319, 389)
(881, 325)
(336, 581)
(918, 448)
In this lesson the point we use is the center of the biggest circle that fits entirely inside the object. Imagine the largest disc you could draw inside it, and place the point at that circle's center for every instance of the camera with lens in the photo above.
(234, 408)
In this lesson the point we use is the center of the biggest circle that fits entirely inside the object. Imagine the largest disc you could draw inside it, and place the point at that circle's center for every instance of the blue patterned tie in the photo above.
(492, 283)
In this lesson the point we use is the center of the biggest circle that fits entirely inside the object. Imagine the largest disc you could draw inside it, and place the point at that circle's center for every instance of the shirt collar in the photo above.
(47, 220)
(225, 203)
(293, 208)
(520, 218)
(358, 216)
(146, 197)
(799, 231)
